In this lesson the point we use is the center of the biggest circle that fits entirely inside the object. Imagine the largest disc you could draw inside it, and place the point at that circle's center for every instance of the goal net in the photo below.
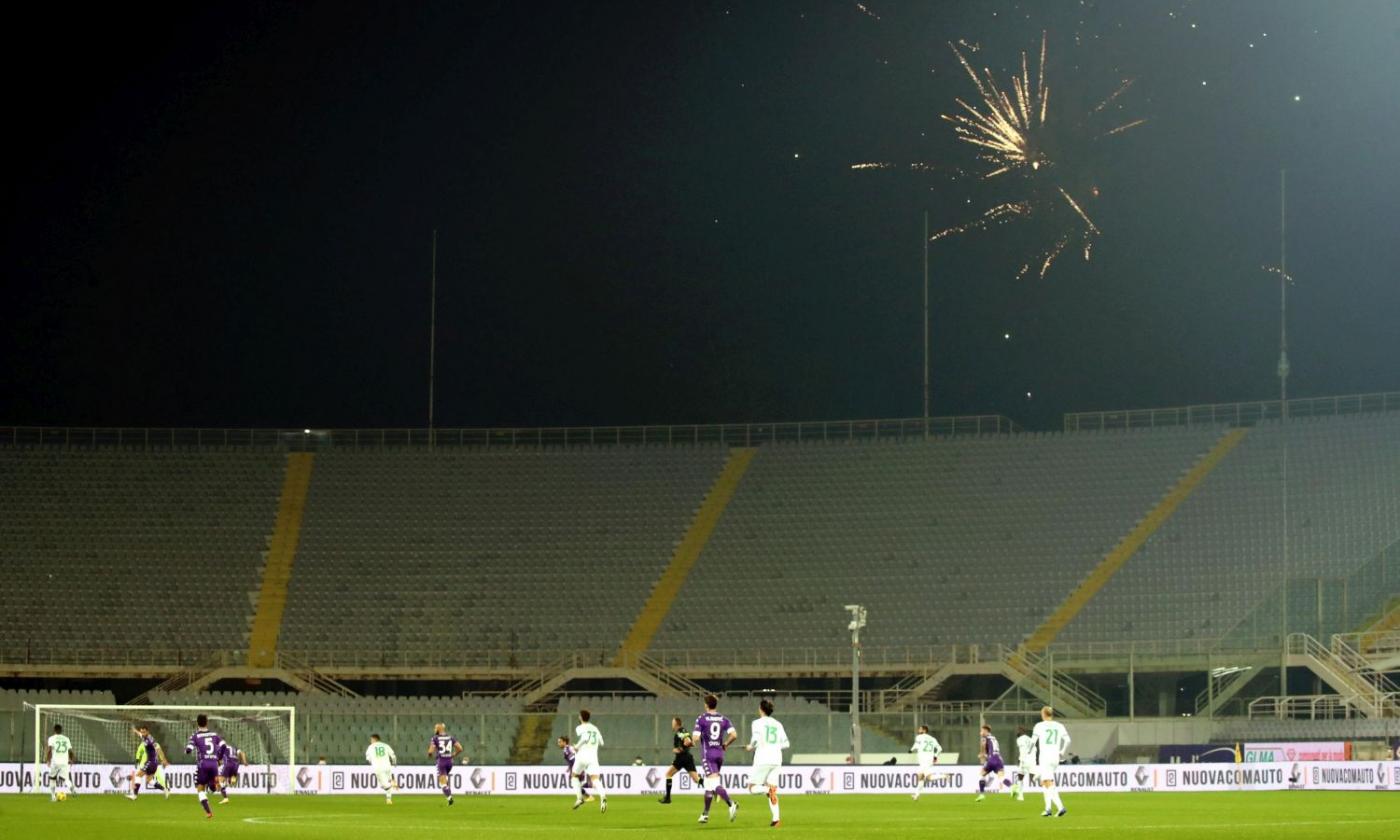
(104, 739)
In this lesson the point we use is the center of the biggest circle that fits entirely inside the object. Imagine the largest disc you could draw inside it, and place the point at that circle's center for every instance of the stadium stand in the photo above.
(146, 550)
(1208, 567)
(410, 553)
(964, 540)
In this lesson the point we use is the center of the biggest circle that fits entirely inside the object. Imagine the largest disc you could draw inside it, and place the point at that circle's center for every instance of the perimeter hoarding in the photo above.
(336, 779)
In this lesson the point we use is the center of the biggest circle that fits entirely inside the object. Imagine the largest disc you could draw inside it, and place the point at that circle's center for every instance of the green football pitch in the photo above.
(1282, 814)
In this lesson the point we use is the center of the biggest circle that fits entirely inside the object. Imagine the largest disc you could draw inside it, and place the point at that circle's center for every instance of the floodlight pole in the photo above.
(856, 623)
(432, 338)
(1283, 408)
(925, 323)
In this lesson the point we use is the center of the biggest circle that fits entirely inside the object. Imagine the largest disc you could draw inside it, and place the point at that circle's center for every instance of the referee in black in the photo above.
(680, 745)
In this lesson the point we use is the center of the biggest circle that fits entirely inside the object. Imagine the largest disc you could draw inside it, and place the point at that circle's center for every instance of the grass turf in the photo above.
(1291, 814)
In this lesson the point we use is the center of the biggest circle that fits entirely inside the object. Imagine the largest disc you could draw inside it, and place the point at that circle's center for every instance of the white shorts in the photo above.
(59, 771)
(1046, 772)
(764, 774)
(586, 768)
(925, 767)
(386, 776)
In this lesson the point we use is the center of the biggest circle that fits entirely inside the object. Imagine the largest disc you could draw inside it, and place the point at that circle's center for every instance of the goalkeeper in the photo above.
(150, 764)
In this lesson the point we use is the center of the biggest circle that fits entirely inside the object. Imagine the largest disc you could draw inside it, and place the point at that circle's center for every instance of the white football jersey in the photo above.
(1051, 741)
(927, 745)
(1025, 750)
(588, 739)
(61, 747)
(381, 755)
(769, 739)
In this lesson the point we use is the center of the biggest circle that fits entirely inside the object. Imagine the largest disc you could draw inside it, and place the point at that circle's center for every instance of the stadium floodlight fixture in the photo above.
(858, 614)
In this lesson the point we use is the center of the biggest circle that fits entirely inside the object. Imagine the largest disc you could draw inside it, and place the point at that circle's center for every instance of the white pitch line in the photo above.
(1224, 826)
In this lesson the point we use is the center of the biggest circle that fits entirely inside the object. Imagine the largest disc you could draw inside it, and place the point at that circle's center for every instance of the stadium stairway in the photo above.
(687, 552)
(277, 572)
(1101, 574)
(535, 735)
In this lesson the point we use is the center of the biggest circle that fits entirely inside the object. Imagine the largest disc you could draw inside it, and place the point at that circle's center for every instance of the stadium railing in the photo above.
(1230, 414)
(728, 434)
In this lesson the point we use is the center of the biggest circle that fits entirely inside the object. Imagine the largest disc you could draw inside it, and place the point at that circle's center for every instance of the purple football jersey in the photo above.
(569, 753)
(990, 746)
(205, 746)
(445, 745)
(228, 758)
(148, 746)
(712, 729)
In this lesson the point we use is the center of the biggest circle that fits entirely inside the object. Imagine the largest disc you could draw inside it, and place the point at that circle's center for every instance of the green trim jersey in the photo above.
(1051, 742)
(927, 747)
(380, 755)
(588, 740)
(60, 747)
(769, 739)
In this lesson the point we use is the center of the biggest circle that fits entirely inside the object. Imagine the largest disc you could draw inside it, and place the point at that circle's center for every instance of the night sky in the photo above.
(222, 215)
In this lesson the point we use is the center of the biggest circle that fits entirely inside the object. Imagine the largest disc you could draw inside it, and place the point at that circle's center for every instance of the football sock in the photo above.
(204, 802)
(709, 800)
(724, 794)
(1060, 803)
(135, 788)
(668, 787)
(773, 802)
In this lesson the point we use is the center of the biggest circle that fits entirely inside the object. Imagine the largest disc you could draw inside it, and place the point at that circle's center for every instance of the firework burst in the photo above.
(1007, 125)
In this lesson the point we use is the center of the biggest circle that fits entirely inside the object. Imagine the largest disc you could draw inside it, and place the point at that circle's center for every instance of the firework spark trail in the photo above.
(1127, 83)
(1006, 124)
(1045, 257)
(1088, 222)
(1000, 214)
(951, 172)
(1122, 128)
(865, 10)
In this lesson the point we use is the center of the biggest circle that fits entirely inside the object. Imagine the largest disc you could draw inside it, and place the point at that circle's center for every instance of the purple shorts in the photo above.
(149, 768)
(993, 765)
(712, 763)
(229, 770)
(205, 772)
(444, 766)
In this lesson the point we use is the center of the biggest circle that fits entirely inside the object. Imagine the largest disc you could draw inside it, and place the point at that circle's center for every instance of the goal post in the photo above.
(103, 735)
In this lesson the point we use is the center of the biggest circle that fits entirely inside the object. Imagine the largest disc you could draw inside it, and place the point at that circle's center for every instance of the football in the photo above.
(62, 795)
